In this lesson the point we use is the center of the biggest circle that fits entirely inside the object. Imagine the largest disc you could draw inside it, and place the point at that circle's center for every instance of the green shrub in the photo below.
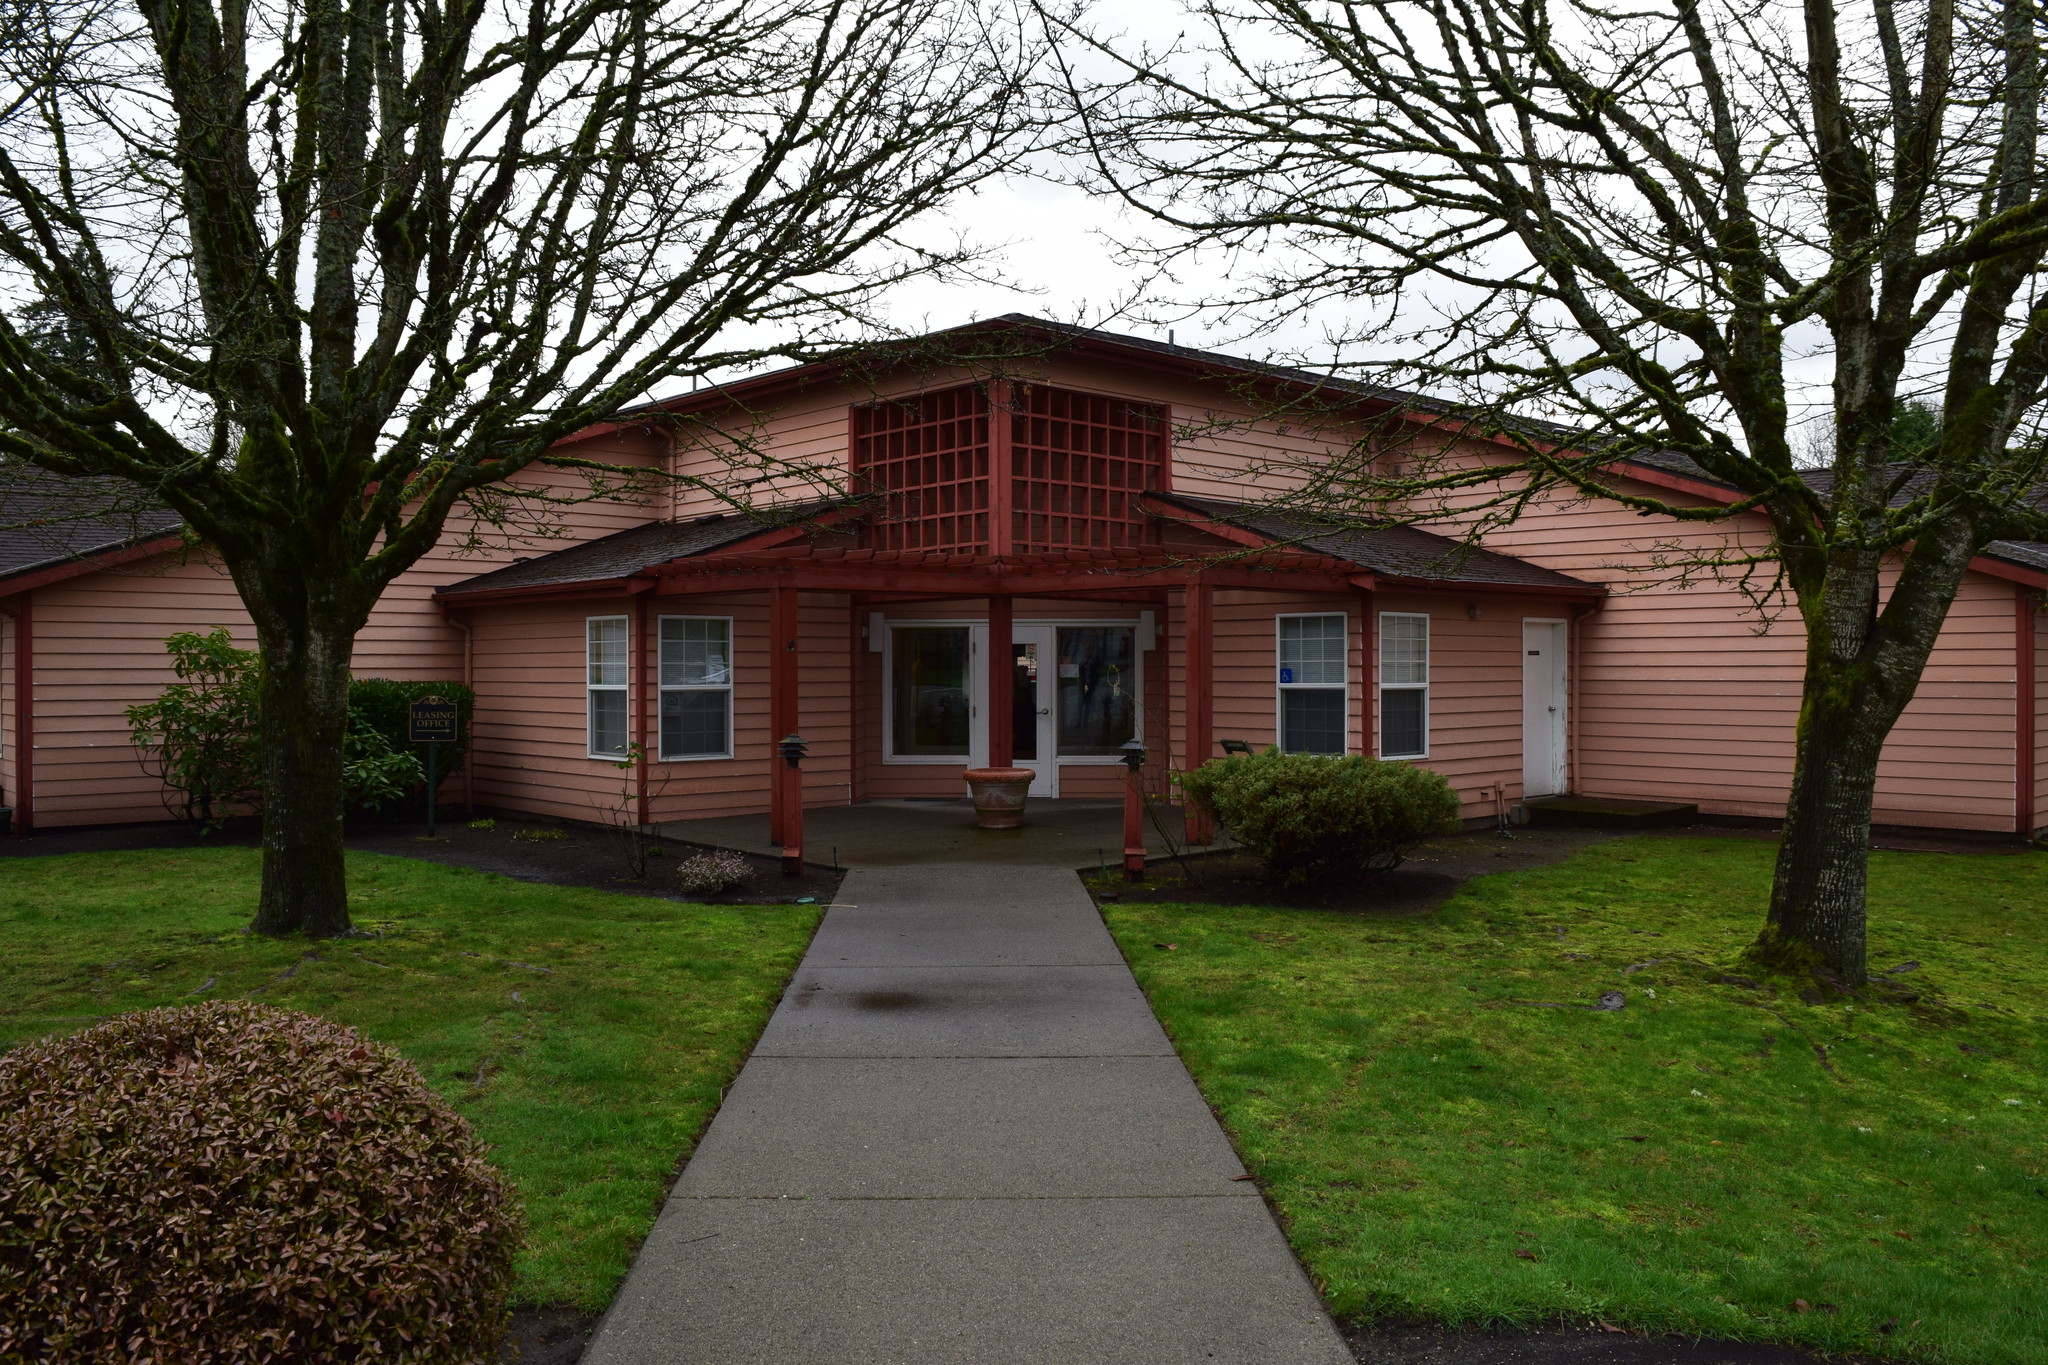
(379, 704)
(1306, 815)
(199, 735)
(235, 1182)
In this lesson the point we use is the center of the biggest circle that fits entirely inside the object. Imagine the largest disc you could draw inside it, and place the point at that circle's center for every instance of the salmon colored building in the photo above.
(1024, 542)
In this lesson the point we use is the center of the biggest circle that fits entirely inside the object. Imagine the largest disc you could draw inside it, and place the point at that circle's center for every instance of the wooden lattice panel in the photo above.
(928, 459)
(1078, 464)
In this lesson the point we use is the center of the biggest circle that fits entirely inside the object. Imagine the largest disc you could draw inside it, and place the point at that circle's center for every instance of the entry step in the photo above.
(1608, 812)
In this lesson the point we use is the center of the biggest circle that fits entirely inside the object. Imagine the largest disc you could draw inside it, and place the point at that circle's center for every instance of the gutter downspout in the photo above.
(2025, 740)
(23, 616)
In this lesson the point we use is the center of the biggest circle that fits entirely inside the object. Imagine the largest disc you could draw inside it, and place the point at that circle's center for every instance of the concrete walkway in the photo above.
(964, 1138)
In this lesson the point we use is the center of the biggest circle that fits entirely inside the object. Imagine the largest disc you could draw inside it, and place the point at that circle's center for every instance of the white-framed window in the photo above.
(1313, 680)
(605, 639)
(696, 687)
(1404, 684)
(929, 681)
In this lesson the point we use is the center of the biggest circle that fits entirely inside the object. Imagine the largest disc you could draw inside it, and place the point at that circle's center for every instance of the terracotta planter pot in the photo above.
(999, 795)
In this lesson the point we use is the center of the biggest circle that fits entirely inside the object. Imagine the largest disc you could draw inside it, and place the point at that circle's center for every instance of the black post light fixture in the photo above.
(793, 750)
(1131, 753)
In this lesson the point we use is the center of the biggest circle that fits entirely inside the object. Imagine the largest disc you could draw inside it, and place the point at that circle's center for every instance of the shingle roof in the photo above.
(47, 520)
(625, 553)
(1389, 551)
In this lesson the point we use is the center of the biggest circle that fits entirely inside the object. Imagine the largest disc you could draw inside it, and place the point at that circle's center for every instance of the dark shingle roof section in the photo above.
(1406, 552)
(625, 553)
(2028, 554)
(47, 520)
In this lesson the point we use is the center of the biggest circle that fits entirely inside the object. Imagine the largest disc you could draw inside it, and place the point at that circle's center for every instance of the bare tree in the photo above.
(317, 273)
(1636, 222)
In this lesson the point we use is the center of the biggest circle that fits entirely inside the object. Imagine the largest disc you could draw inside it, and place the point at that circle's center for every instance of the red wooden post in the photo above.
(643, 693)
(1134, 825)
(1200, 636)
(1002, 653)
(786, 802)
(24, 715)
(1002, 478)
(1369, 693)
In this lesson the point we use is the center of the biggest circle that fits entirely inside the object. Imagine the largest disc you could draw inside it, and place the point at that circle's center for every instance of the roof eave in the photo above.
(33, 576)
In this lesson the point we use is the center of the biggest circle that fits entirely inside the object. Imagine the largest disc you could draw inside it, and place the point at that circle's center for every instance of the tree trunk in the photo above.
(1816, 911)
(303, 701)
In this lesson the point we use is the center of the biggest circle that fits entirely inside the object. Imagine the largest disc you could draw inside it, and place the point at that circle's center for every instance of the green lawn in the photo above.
(589, 1080)
(1440, 1150)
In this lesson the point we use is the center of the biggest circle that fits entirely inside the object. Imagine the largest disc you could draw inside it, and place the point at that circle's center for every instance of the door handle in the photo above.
(1047, 710)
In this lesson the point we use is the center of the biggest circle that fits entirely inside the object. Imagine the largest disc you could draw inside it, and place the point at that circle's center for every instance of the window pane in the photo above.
(1404, 651)
(1312, 649)
(608, 722)
(928, 666)
(1312, 720)
(608, 651)
(694, 724)
(1098, 680)
(695, 652)
(1404, 723)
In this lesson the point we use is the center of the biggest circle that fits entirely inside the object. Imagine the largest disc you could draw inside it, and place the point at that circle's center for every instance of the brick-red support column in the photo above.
(1002, 474)
(1369, 695)
(24, 715)
(2024, 737)
(1200, 637)
(1001, 673)
(785, 784)
(643, 701)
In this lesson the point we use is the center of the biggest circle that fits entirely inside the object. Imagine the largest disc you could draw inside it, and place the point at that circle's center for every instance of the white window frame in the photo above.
(591, 689)
(1379, 655)
(1280, 688)
(977, 692)
(1138, 639)
(662, 689)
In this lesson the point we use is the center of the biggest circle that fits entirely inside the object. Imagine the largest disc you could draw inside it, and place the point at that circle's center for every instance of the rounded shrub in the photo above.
(235, 1182)
(1311, 815)
(714, 873)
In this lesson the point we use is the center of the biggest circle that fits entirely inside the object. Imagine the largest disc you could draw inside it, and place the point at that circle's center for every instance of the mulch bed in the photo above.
(583, 854)
(1421, 884)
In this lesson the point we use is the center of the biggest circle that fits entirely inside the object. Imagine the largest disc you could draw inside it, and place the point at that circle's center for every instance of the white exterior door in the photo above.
(1034, 684)
(1543, 708)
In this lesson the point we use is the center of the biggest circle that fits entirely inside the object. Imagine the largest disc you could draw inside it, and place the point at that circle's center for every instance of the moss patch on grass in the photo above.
(1450, 1136)
(587, 1035)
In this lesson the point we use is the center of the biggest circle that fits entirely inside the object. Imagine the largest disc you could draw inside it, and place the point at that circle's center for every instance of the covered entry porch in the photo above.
(1075, 833)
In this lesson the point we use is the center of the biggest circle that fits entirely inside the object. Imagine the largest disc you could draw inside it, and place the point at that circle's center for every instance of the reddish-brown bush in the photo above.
(235, 1182)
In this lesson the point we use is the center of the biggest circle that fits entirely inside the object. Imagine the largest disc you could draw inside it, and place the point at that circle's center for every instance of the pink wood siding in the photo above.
(532, 738)
(1223, 447)
(99, 647)
(1686, 693)
(98, 650)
